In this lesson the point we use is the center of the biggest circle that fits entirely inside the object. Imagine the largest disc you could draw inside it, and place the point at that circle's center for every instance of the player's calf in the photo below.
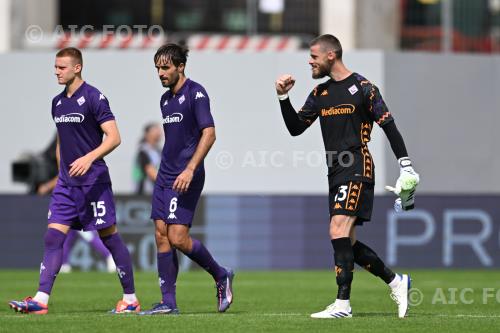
(365, 257)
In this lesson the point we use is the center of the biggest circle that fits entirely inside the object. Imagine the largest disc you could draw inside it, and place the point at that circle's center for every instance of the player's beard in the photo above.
(322, 71)
(171, 83)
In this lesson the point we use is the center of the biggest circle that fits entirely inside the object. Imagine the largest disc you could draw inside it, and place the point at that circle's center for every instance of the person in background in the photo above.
(147, 161)
(92, 238)
(49, 156)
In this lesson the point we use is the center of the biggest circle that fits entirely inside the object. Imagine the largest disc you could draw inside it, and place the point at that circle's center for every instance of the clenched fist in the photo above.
(284, 83)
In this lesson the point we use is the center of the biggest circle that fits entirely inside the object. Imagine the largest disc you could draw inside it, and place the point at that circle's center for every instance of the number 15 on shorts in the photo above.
(99, 208)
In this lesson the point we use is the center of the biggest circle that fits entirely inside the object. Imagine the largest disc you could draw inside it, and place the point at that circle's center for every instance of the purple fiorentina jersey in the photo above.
(78, 119)
(184, 116)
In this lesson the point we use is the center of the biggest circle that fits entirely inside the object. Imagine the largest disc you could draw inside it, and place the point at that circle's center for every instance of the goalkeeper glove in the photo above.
(405, 186)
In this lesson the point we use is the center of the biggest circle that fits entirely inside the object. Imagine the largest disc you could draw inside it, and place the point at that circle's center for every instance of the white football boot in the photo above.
(400, 294)
(338, 309)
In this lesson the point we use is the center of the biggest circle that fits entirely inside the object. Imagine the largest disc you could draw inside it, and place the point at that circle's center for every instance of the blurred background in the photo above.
(437, 64)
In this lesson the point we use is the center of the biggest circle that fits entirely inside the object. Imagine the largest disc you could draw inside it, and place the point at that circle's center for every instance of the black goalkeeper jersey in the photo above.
(347, 110)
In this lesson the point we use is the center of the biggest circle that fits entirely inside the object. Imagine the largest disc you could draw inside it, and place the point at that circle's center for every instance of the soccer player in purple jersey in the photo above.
(189, 135)
(347, 105)
(82, 198)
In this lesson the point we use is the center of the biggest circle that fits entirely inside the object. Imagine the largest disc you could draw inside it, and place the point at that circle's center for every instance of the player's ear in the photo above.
(78, 68)
(181, 67)
(331, 55)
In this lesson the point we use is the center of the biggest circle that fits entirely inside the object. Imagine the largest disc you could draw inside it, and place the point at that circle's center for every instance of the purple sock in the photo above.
(168, 268)
(52, 259)
(200, 255)
(123, 262)
(97, 244)
(68, 245)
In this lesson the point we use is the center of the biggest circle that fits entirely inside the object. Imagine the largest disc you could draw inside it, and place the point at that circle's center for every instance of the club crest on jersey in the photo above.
(182, 99)
(80, 101)
(70, 118)
(199, 94)
(353, 89)
(173, 118)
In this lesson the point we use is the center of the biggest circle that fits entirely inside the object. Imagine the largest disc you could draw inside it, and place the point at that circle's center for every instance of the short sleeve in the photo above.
(201, 106)
(376, 107)
(162, 100)
(309, 112)
(101, 110)
(143, 159)
(53, 106)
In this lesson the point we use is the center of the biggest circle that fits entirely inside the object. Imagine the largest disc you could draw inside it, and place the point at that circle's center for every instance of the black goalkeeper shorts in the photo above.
(352, 198)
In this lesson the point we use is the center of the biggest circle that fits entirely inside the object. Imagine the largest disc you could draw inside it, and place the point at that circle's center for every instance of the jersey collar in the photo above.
(77, 91)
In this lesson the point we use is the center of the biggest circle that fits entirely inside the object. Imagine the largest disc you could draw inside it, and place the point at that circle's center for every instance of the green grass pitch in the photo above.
(450, 301)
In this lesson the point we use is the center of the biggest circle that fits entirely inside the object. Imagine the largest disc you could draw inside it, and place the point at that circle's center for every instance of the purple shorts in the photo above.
(83, 207)
(174, 208)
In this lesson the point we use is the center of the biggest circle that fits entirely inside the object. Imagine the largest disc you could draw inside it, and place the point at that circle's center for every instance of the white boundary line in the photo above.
(284, 314)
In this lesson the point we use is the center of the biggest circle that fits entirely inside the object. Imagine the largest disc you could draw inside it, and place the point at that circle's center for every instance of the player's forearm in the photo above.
(206, 141)
(151, 172)
(48, 186)
(51, 184)
(395, 139)
(110, 142)
(292, 121)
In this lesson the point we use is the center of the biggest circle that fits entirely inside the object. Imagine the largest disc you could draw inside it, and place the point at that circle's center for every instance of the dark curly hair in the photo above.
(177, 54)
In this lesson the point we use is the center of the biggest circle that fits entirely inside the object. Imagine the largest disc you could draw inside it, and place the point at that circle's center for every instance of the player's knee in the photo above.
(54, 239)
(336, 233)
(179, 240)
(107, 231)
(161, 239)
(339, 227)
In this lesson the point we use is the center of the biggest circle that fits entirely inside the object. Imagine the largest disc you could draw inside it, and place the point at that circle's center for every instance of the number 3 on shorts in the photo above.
(341, 194)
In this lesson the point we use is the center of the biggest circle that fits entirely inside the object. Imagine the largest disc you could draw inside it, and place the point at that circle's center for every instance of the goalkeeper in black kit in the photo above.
(347, 105)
